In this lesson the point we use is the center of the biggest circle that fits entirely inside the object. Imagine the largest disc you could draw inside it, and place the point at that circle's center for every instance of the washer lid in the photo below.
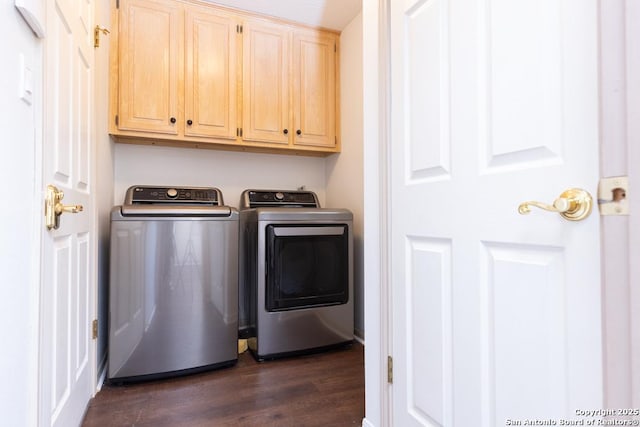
(175, 210)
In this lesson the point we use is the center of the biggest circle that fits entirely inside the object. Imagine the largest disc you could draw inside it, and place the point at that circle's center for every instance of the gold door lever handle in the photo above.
(574, 204)
(60, 208)
(53, 207)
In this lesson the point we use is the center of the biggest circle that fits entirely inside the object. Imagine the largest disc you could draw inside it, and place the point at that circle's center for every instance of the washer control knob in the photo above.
(279, 196)
(172, 193)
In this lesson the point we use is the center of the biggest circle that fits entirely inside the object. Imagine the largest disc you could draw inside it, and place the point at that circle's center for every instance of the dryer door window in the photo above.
(306, 266)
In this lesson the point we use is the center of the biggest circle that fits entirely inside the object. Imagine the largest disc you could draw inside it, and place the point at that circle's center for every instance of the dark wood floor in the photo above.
(325, 389)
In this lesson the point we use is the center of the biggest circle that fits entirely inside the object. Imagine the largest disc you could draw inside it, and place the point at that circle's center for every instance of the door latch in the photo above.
(612, 195)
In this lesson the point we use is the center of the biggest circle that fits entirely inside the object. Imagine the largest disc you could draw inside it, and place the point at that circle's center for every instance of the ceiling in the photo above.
(331, 14)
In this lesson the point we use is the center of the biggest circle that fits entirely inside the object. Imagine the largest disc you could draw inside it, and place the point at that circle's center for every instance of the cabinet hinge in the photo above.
(239, 29)
(390, 369)
(335, 48)
(117, 4)
(116, 120)
(94, 329)
(238, 131)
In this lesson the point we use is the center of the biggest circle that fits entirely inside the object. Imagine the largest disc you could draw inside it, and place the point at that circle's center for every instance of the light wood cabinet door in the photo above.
(211, 67)
(265, 107)
(150, 65)
(314, 88)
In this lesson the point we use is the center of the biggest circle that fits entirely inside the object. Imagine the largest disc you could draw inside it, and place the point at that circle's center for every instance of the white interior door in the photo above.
(67, 366)
(496, 315)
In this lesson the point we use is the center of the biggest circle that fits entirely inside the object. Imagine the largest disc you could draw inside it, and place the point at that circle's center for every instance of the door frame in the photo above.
(623, 338)
(632, 114)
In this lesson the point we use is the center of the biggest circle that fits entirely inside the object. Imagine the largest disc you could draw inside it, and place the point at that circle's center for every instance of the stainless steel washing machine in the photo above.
(174, 283)
(296, 273)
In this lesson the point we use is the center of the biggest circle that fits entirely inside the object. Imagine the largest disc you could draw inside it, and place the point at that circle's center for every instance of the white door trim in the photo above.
(632, 60)
(620, 108)
(376, 205)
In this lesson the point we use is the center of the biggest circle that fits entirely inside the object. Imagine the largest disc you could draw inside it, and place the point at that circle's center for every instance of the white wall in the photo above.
(344, 171)
(231, 172)
(20, 219)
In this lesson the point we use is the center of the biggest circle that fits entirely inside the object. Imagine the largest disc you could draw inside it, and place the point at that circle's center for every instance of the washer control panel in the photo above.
(140, 194)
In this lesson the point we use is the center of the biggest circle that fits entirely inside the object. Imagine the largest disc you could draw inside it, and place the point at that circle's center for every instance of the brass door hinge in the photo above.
(390, 369)
(94, 329)
(239, 132)
(117, 120)
(96, 35)
(239, 29)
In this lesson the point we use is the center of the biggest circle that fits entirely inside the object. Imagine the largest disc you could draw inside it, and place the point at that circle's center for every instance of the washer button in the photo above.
(279, 196)
(172, 193)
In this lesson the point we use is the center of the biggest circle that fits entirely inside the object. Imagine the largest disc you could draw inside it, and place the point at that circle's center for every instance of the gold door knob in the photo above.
(574, 204)
(53, 207)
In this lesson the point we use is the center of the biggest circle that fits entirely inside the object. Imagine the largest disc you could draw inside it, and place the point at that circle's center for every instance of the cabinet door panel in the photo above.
(314, 90)
(265, 83)
(150, 62)
(210, 83)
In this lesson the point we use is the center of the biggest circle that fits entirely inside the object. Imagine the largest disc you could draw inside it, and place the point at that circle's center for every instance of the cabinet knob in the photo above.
(286, 131)
(298, 132)
(172, 119)
(189, 122)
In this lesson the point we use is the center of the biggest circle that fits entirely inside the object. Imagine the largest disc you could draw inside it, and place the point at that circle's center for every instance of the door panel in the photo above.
(496, 315)
(210, 86)
(151, 40)
(514, 53)
(428, 148)
(266, 104)
(429, 306)
(67, 370)
(314, 89)
(523, 328)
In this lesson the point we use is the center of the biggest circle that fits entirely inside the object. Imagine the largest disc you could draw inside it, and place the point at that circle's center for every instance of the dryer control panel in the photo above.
(278, 198)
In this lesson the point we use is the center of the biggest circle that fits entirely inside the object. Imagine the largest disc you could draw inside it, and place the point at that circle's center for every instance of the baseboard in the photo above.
(102, 373)
(359, 336)
(367, 423)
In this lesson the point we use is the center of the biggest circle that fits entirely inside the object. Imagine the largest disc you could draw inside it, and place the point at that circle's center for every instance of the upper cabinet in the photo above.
(266, 83)
(314, 88)
(188, 73)
(150, 66)
(289, 85)
(210, 74)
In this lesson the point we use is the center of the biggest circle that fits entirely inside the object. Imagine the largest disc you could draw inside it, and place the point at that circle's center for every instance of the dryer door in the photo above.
(307, 266)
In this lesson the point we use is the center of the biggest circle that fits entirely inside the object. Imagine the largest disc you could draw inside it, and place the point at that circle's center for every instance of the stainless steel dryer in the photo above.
(174, 283)
(296, 273)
